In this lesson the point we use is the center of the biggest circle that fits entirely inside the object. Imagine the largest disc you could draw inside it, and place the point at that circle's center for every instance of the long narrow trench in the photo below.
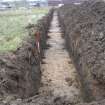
(59, 76)
(60, 82)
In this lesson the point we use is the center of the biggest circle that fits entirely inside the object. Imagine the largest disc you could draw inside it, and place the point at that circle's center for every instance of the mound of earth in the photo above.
(84, 30)
(20, 72)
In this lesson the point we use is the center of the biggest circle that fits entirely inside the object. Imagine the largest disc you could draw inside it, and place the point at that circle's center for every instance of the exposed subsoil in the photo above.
(59, 75)
(84, 31)
(60, 79)
(20, 71)
(60, 82)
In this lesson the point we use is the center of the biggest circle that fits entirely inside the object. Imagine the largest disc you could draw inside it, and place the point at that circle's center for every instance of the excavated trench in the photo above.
(59, 76)
(60, 84)
(72, 69)
(60, 81)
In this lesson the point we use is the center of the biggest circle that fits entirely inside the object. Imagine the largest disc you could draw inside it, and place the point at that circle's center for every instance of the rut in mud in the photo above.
(59, 76)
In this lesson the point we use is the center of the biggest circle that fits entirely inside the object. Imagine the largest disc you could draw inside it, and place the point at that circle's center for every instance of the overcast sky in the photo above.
(20, 0)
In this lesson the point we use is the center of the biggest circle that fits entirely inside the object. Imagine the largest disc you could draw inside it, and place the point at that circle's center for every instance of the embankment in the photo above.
(84, 30)
(20, 72)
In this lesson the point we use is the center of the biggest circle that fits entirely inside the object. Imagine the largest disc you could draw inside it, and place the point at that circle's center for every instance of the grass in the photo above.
(12, 26)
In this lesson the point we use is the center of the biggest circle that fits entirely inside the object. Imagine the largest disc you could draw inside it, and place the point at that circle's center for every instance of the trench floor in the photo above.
(60, 82)
(59, 76)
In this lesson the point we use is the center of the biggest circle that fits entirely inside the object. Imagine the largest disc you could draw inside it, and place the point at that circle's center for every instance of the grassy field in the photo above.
(12, 26)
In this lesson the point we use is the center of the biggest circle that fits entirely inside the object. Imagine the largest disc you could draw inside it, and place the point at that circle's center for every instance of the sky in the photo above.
(20, 0)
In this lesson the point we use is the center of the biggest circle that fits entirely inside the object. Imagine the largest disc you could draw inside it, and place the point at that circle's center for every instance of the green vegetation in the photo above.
(12, 26)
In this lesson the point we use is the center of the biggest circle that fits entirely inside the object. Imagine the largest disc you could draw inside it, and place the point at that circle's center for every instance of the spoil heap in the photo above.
(84, 30)
(20, 72)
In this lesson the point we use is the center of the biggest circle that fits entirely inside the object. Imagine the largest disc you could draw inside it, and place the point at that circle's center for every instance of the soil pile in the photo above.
(20, 72)
(60, 82)
(84, 31)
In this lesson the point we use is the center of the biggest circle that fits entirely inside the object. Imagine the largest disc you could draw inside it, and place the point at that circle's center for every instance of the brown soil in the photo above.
(84, 31)
(59, 77)
(20, 72)
(60, 82)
